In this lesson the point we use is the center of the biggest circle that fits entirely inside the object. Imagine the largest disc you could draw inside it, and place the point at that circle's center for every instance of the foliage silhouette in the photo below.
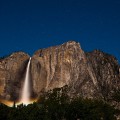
(57, 105)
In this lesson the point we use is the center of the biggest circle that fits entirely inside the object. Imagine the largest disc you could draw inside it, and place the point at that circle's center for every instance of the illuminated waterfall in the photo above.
(25, 96)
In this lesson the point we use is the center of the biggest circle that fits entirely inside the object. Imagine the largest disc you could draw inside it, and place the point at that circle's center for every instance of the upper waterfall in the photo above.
(25, 96)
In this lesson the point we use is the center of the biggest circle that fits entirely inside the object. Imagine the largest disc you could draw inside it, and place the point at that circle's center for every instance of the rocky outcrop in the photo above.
(12, 71)
(92, 75)
(106, 69)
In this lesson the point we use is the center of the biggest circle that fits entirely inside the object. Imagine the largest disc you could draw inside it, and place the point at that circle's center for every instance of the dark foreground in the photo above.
(56, 105)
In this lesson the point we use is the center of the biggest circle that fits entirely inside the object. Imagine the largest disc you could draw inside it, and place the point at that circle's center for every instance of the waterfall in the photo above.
(25, 96)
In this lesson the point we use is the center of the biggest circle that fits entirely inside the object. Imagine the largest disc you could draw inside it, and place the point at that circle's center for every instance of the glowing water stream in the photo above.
(25, 97)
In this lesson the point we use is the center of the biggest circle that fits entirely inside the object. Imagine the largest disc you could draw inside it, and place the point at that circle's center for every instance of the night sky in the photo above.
(29, 25)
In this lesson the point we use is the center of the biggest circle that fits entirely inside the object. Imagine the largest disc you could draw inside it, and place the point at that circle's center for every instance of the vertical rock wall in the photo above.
(93, 75)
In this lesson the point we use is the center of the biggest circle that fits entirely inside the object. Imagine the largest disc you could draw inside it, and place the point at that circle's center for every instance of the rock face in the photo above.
(12, 71)
(93, 75)
(107, 71)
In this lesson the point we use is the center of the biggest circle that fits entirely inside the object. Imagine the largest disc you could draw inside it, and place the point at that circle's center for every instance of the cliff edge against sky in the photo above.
(88, 74)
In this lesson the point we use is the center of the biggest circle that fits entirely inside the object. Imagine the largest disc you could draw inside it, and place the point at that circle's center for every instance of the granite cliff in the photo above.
(89, 74)
(12, 72)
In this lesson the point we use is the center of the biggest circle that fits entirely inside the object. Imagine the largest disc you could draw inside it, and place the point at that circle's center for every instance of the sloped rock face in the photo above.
(12, 71)
(106, 70)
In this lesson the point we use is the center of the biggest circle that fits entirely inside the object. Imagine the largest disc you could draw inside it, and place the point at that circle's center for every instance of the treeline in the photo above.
(56, 105)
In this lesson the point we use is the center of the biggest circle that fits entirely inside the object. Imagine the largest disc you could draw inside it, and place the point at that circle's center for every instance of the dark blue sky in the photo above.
(28, 25)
